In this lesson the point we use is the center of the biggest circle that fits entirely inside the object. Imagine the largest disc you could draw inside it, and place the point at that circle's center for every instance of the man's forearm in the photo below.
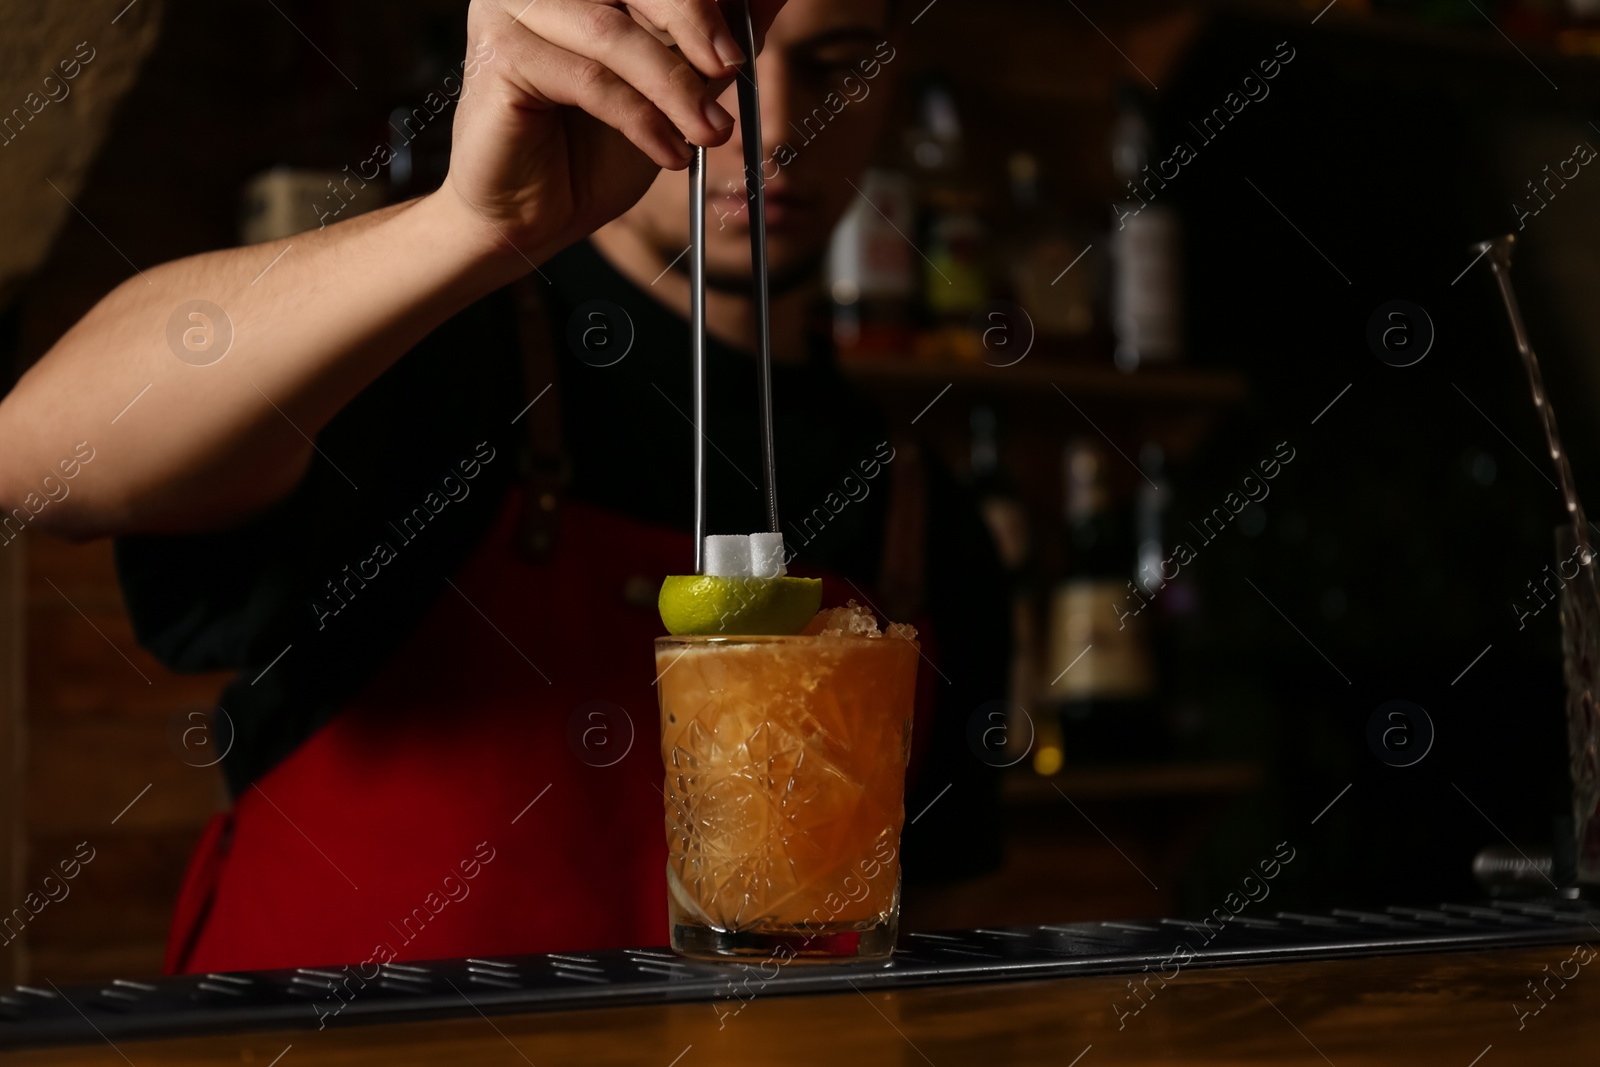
(206, 443)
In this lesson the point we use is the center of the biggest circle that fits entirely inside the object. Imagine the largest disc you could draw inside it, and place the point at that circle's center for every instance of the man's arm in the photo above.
(569, 109)
(208, 444)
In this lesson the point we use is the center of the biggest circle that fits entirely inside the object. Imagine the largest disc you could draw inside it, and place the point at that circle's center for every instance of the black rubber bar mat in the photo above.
(312, 997)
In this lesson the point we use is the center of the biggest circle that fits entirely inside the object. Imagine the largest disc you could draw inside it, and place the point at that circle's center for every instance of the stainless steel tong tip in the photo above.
(750, 134)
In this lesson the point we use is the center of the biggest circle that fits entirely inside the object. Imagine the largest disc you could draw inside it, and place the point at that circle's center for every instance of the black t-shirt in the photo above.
(242, 598)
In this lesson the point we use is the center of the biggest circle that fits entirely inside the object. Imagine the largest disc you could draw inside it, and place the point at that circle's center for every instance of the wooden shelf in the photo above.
(1078, 380)
(1043, 402)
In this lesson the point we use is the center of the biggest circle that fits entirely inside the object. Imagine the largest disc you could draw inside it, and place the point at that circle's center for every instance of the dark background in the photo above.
(1410, 520)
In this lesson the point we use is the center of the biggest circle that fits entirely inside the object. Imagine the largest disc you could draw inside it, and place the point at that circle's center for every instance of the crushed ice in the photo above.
(854, 620)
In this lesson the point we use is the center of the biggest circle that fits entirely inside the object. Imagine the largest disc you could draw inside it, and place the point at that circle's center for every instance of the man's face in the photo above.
(824, 73)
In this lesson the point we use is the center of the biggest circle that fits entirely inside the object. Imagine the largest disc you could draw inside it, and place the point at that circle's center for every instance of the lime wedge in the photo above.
(713, 604)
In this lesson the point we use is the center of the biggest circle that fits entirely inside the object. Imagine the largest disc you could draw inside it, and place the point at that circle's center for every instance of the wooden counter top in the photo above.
(1450, 1009)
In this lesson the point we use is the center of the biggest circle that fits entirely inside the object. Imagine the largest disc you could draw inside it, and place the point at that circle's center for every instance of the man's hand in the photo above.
(572, 105)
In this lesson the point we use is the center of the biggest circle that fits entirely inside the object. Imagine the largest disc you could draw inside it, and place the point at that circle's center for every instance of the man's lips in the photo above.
(784, 208)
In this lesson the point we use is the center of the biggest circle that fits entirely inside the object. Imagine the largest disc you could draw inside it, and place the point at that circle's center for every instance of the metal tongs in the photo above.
(750, 133)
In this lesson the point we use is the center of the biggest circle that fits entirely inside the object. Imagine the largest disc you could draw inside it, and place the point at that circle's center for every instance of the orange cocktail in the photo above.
(785, 760)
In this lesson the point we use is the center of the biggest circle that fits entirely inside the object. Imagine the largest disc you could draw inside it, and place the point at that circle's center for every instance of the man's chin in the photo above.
(782, 277)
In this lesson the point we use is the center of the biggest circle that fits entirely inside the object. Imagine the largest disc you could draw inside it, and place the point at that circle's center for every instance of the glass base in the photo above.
(837, 942)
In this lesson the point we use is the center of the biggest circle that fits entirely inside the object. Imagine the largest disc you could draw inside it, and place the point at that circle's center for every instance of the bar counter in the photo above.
(1460, 985)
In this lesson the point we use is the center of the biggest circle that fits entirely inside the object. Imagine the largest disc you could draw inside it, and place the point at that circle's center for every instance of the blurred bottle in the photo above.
(420, 123)
(1033, 254)
(1007, 518)
(1146, 269)
(285, 200)
(1100, 674)
(871, 269)
(950, 231)
(1162, 581)
(1578, 32)
(1150, 508)
(997, 495)
(310, 184)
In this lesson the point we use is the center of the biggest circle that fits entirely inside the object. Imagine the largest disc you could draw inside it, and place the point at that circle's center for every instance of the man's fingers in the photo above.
(609, 36)
(578, 81)
(699, 29)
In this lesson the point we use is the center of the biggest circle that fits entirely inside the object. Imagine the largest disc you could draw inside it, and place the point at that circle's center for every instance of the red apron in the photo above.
(482, 795)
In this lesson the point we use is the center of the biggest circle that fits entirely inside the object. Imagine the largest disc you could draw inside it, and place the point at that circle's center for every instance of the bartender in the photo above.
(423, 501)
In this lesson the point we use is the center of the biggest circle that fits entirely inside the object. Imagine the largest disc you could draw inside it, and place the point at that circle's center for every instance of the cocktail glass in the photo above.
(785, 792)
